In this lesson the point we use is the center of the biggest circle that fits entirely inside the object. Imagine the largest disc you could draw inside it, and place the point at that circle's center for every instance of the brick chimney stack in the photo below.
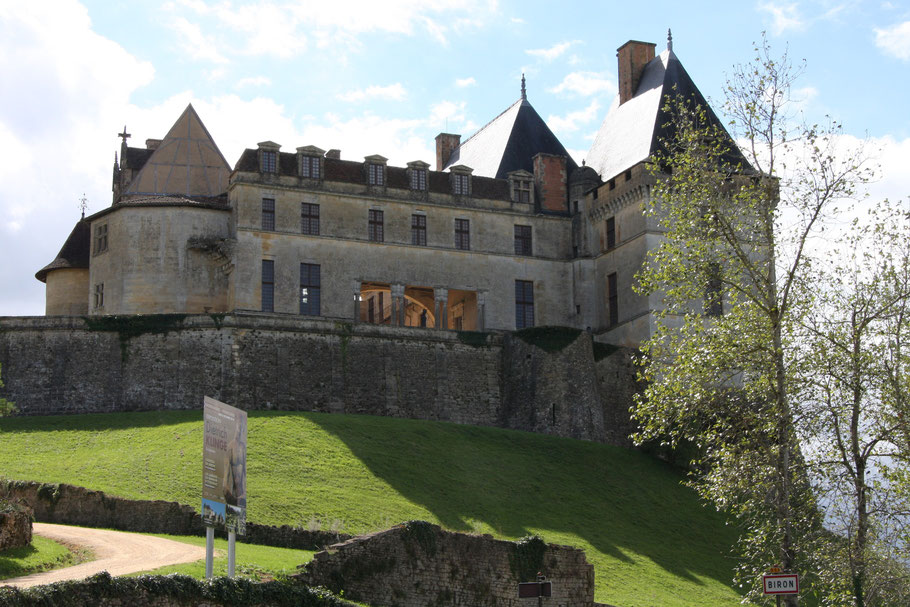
(550, 176)
(445, 145)
(633, 57)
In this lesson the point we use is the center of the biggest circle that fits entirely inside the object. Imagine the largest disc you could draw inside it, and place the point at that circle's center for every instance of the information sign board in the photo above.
(224, 466)
(528, 590)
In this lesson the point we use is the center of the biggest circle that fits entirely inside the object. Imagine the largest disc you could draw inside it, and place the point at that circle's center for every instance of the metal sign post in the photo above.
(223, 477)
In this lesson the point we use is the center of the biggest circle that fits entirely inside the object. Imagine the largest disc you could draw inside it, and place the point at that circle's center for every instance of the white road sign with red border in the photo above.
(781, 583)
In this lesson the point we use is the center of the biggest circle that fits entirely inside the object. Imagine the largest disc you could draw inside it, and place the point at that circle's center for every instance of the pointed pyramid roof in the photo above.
(186, 162)
(508, 143)
(632, 132)
(73, 254)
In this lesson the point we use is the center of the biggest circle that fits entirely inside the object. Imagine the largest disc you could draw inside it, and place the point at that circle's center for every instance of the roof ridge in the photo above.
(500, 115)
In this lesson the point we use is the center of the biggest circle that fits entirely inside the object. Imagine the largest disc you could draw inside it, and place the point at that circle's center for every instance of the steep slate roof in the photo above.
(74, 253)
(186, 162)
(508, 143)
(631, 132)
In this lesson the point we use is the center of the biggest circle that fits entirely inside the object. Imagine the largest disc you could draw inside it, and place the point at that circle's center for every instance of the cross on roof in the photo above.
(124, 135)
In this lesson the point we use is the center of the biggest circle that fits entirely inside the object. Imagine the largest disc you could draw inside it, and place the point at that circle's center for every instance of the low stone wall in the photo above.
(15, 525)
(71, 505)
(74, 365)
(102, 590)
(418, 564)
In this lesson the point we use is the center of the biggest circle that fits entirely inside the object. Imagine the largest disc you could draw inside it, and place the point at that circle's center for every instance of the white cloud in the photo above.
(785, 16)
(572, 121)
(394, 92)
(463, 82)
(549, 54)
(196, 44)
(585, 84)
(517, 20)
(254, 81)
(895, 40)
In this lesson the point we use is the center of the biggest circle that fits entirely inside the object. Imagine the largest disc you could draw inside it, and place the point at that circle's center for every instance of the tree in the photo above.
(857, 410)
(738, 222)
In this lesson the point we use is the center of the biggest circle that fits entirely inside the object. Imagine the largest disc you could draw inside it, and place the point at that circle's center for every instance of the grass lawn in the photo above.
(41, 555)
(261, 563)
(650, 540)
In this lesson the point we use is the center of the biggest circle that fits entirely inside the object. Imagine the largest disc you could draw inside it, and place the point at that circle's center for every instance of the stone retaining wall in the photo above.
(71, 365)
(15, 525)
(71, 505)
(418, 564)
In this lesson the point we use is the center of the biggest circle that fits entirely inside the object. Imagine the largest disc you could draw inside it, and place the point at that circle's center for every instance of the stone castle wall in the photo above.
(68, 365)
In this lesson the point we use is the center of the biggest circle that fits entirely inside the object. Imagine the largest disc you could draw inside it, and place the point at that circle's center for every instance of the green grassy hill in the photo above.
(649, 539)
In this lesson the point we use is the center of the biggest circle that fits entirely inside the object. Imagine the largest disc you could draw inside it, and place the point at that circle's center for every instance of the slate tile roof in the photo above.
(74, 253)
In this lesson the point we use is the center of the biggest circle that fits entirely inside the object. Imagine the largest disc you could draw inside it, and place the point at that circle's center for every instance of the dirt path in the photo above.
(116, 552)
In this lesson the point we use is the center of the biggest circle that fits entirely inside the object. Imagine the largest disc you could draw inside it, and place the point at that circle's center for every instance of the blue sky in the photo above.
(381, 78)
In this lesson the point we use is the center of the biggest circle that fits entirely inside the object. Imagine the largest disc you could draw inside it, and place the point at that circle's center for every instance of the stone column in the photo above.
(481, 310)
(397, 304)
(440, 301)
(356, 287)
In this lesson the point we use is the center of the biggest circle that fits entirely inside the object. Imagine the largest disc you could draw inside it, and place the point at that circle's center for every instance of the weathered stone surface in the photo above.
(68, 365)
(15, 525)
(417, 564)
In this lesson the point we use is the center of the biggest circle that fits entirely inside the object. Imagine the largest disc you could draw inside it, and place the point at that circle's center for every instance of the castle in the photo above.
(504, 232)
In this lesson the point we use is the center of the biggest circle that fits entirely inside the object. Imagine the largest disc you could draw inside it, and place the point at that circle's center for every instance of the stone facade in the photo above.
(418, 564)
(68, 365)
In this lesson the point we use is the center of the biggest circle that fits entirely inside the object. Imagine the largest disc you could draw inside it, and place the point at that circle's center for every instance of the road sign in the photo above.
(533, 590)
(781, 583)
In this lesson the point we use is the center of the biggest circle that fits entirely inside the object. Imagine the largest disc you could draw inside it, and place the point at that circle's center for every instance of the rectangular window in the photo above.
(309, 167)
(310, 291)
(463, 234)
(309, 218)
(269, 162)
(522, 190)
(714, 299)
(418, 179)
(100, 238)
(268, 285)
(375, 226)
(268, 213)
(461, 184)
(524, 304)
(99, 295)
(611, 233)
(375, 174)
(419, 230)
(522, 240)
(612, 300)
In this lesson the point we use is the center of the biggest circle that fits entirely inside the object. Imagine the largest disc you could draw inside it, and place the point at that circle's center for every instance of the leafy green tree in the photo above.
(735, 277)
(856, 410)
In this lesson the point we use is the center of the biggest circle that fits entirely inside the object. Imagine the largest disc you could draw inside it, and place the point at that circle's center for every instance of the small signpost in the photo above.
(778, 583)
(223, 477)
(535, 590)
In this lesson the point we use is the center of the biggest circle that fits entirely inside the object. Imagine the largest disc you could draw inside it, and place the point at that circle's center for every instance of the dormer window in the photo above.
(268, 157)
(521, 183)
(309, 162)
(417, 175)
(461, 180)
(375, 168)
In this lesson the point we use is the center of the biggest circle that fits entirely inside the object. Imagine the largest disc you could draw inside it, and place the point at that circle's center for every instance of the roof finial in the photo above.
(124, 135)
(669, 40)
(83, 203)
(524, 92)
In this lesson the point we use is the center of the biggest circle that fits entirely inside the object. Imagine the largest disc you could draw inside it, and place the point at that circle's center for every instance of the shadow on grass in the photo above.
(619, 501)
(99, 422)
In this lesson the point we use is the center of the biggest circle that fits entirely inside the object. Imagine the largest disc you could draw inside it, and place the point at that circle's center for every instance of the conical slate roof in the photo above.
(508, 143)
(632, 132)
(74, 253)
(186, 162)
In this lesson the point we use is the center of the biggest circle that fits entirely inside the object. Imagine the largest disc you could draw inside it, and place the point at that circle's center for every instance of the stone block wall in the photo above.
(15, 525)
(71, 365)
(418, 564)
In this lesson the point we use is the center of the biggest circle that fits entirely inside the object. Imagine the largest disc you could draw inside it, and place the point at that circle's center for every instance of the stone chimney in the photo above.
(152, 144)
(633, 57)
(550, 176)
(334, 154)
(446, 143)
